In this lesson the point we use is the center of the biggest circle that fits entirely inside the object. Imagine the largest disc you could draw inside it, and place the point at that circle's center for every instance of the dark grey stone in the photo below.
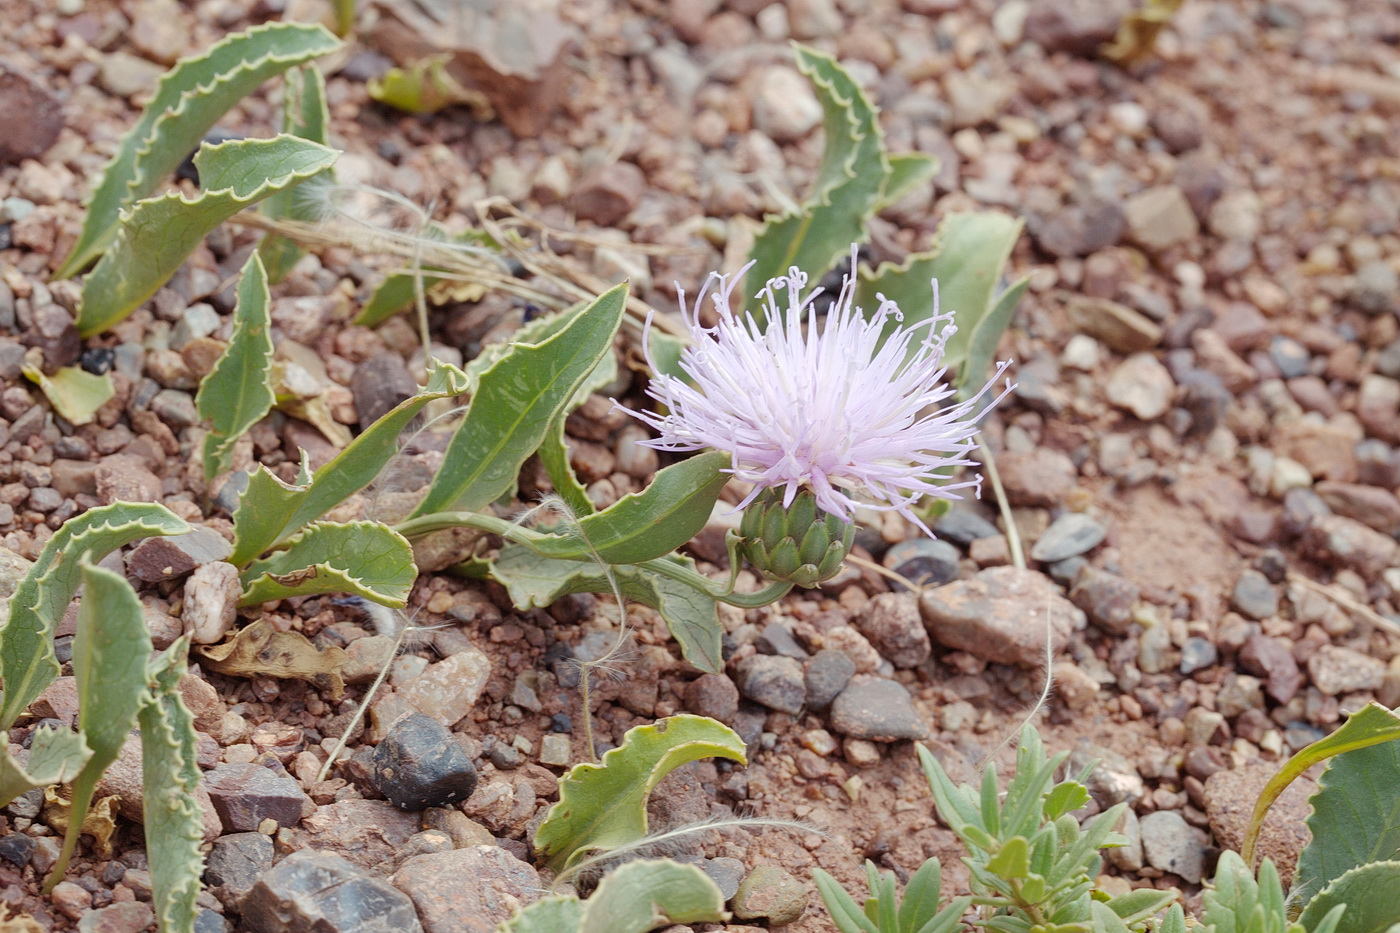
(235, 863)
(1254, 596)
(879, 710)
(419, 765)
(1070, 535)
(1197, 654)
(381, 382)
(16, 848)
(776, 682)
(923, 560)
(776, 638)
(246, 794)
(827, 675)
(963, 526)
(315, 892)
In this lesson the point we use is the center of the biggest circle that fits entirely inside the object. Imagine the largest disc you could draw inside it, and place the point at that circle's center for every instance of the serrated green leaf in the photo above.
(238, 392)
(159, 233)
(174, 823)
(305, 115)
(75, 393)
(547, 915)
(853, 172)
(908, 170)
(844, 911)
(604, 806)
(968, 255)
(188, 101)
(1369, 895)
(651, 893)
(27, 663)
(1372, 725)
(56, 756)
(1355, 815)
(110, 652)
(516, 401)
(270, 511)
(368, 559)
(692, 617)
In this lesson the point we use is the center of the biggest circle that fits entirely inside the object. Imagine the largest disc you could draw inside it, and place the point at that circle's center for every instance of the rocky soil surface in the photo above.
(1201, 453)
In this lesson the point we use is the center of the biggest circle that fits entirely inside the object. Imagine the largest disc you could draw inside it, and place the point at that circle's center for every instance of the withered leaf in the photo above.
(97, 823)
(259, 650)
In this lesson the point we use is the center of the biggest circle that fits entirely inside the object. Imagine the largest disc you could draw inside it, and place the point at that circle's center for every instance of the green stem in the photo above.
(769, 594)
(441, 521)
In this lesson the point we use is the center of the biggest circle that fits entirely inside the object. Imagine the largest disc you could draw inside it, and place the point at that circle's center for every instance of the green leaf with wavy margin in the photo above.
(604, 806)
(908, 170)
(691, 616)
(1355, 815)
(968, 258)
(27, 662)
(237, 393)
(56, 756)
(159, 233)
(1372, 725)
(189, 99)
(650, 893)
(849, 182)
(110, 652)
(515, 402)
(174, 823)
(633, 898)
(368, 559)
(76, 394)
(644, 525)
(270, 511)
(1365, 899)
(304, 114)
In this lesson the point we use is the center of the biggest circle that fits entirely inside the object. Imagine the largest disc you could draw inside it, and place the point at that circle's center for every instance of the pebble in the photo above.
(892, 623)
(1000, 615)
(1112, 779)
(1106, 598)
(1160, 218)
(785, 108)
(367, 833)
(1142, 386)
(827, 675)
(1128, 856)
(1075, 26)
(770, 893)
(246, 794)
(1240, 692)
(925, 561)
(1041, 476)
(235, 863)
(1070, 535)
(1341, 541)
(16, 848)
(125, 478)
(70, 899)
(324, 892)
(1117, 325)
(556, 750)
(419, 765)
(380, 384)
(777, 638)
(1230, 795)
(33, 116)
(500, 885)
(1376, 287)
(1171, 844)
(165, 558)
(448, 690)
(1370, 505)
(211, 602)
(608, 193)
(961, 526)
(712, 695)
(124, 917)
(726, 873)
(878, 710)
(1197, 654)
(1273, 660)
(366, 657)
(1335, 670)
(1254, 596)
(775, 682)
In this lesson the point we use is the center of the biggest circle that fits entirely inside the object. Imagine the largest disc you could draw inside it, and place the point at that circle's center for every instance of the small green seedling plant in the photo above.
(1034, 867)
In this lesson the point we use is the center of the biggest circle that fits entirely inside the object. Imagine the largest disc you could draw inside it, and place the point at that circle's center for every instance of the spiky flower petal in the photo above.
(856, 413)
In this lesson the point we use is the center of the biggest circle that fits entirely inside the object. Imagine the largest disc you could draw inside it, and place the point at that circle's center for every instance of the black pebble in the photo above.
(419, 765)
(16, 848)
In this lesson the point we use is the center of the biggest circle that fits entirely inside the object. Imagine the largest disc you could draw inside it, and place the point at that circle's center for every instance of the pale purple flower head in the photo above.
(855, 415)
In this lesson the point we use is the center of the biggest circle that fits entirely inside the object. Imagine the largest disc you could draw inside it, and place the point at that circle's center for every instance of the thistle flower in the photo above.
(855, 414)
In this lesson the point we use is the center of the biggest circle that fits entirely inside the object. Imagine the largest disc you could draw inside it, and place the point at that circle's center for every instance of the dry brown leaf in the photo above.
(259, 650)
(98, 823)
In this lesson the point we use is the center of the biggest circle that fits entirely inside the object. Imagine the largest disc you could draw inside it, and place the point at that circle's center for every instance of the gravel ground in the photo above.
(1200, 454)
